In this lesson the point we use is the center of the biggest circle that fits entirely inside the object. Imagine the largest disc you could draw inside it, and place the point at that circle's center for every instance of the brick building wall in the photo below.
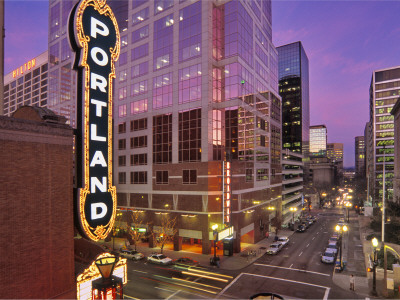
(36, 208)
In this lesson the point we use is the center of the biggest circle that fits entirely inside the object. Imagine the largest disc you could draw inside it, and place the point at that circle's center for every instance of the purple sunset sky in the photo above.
(344, 41)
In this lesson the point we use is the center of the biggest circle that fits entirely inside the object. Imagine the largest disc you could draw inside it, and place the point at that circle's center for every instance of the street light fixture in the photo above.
(293, 210)
(340, 230)
(374, 244)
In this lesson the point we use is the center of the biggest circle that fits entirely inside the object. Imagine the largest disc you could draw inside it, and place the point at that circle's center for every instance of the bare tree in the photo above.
(135, 222)
(166, 232)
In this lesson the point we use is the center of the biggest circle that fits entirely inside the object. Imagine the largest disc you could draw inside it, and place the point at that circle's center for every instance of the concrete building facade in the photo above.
(27, 85)
(396, 179)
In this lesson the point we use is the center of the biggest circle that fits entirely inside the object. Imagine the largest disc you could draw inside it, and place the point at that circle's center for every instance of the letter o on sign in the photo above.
(104, 57)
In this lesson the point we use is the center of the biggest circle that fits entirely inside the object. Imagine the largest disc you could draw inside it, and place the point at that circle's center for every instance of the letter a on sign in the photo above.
(94, 37)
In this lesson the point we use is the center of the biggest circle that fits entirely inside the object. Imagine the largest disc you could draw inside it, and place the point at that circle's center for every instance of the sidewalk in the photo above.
(356, 250)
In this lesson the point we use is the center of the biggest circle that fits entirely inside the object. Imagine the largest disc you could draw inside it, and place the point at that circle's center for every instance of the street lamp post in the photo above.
(215, 232)
(374, 244)
(293, 210)
(340, 230)
(348, 205)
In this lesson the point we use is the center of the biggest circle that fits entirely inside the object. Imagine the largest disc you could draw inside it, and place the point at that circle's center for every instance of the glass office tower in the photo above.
(384, 92)
(318, 140)
(196, 86)
(294, 90)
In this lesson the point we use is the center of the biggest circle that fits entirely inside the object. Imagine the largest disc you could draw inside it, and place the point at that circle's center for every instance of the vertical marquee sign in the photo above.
(94, 36)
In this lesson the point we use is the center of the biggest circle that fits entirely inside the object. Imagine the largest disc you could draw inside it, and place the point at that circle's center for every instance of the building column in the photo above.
(151, 237)
(205, 236)
(177, 242)
(237, 236)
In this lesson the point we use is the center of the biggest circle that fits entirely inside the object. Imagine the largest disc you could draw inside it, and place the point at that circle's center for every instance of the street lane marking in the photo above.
(170, 296)
(290, 266)
(139, 271)
(327, 289)
(307, 245)
(313, 238)
(130, 297)
(301, 253)
(166, 290)
(279, 267)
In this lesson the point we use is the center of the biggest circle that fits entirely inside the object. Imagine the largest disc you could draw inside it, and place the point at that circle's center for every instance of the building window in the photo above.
(162, 139)
(189, 177)
(140, 34)
(124, 41)
(139, 142)
(163, 42)
(123, 58)
(138, 107)
(262, 174)
(139, 88)
(122, 178)
(161, 177)
(122, 111)
(123, 75)
(138, 177)
(140, 69)
(190, 31)
(122, 127)
(140, 16)
(121, 144)
(190, 135)
(122, 161)
(161, 5)
(139, 159)
(140, 51)
(190, 84)
(122, 93)
(162, 91)
(249, 175)
(140, 124)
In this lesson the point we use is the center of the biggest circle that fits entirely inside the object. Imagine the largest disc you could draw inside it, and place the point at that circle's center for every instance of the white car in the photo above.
(333, 247)
(328, 256)
(131, 254)
(159, 259)
(284, 240)
(274, 248)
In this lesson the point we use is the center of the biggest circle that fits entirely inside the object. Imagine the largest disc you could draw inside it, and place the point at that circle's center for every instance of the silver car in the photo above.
(284, 240)
(328, 256)
(274, 248)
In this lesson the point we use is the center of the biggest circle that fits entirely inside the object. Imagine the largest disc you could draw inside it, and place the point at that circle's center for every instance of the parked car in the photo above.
(305, 224)
(333, 247)
(160, 259)
(310, 221)
(333, 239)
(186, 261)
(328, 256)
(301, 228)
(284, 240)
(274, 248)
(314, 219)
(131, 254)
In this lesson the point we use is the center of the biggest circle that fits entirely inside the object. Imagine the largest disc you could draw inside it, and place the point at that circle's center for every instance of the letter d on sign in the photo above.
(103, 211)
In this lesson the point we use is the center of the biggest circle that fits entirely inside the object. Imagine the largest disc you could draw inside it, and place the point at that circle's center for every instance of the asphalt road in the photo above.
(296, 272)
(150, 281)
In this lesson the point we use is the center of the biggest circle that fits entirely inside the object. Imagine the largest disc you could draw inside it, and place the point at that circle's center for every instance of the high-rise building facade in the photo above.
(62, 79)
(197, 88)
(334, 152)
(27, 85)
(318, 140)
(359, 148)
(384, 92)
(294, 90)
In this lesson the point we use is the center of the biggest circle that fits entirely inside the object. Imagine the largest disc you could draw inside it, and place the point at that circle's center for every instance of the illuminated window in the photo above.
(140, 16)
(138, 107)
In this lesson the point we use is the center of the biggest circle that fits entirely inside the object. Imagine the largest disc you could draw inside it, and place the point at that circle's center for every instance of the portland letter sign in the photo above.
(94, 36)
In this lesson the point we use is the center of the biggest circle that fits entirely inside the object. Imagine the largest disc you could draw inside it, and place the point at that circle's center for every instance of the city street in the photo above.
(295, 272)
